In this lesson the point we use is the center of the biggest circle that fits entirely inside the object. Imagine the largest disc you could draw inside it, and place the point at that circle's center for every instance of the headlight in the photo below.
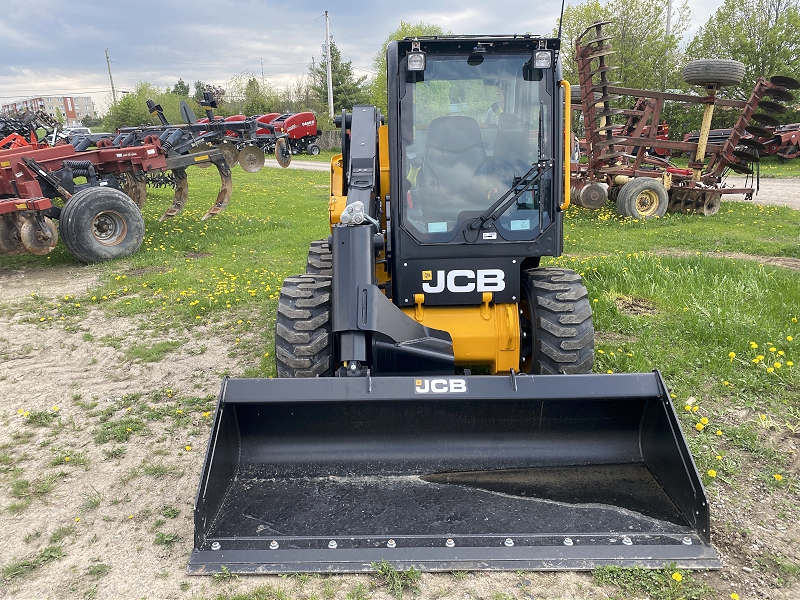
(542, 59)
(416, 61)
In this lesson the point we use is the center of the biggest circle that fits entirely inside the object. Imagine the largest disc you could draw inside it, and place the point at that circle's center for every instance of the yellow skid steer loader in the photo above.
(379, 440)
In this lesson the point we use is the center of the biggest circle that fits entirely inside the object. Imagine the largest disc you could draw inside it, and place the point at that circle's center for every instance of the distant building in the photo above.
(73, 108)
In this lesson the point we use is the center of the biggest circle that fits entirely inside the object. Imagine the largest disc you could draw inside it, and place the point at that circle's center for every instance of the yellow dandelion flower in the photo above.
(601, 352)
(688, 408)
(778, 477)
(695, 408)
(777, 365)
(704, 420)
(726, 382)
(677, 576)
(130, 516)
(77, 519)
(54, 408)
(794, 319)
(770, 369)
(699, 427)
(188, 448)
(731, 355)
(609, 371)
(789, 338)
(719, 431)
(753, 345)
(206, 414)
(772, 348)
(734, 596)
(789, 363)
(712, 473)
(66, 459)
(719, 457)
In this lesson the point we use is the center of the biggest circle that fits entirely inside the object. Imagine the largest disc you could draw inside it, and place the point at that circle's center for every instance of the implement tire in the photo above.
(320, 259)
(101, 223)
(556, 323)
(303, 338)
(643, 198)
(713, 71)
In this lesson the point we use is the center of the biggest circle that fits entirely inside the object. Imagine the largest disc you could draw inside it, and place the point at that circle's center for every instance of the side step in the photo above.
(451, 473)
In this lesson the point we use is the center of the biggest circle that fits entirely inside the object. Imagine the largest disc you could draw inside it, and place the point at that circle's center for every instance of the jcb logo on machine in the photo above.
(464, 280)
(440, 386)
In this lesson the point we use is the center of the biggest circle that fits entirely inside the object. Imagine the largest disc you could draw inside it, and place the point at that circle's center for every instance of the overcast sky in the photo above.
(50, 47)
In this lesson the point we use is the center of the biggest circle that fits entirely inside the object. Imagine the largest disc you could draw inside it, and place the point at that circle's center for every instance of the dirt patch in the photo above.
(55, 281)
(635, 306)
(787, 262)
(119, 511)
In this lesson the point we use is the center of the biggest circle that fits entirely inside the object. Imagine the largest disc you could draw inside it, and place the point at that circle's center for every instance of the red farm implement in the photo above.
(627, 161)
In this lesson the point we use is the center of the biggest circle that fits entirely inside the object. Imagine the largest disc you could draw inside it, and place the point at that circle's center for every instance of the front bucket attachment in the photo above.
(482, 472)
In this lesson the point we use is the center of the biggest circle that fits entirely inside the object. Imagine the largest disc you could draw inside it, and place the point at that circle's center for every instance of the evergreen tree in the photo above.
(181, 89)
(348, 90)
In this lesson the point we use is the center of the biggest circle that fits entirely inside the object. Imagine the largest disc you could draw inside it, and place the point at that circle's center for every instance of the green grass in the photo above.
(397, 581)
(21, 567)
(665, 584)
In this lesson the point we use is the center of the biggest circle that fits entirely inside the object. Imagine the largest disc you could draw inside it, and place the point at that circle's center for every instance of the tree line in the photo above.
(762, 34)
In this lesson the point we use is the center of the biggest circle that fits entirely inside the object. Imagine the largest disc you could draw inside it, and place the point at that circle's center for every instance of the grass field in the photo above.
(711, 302)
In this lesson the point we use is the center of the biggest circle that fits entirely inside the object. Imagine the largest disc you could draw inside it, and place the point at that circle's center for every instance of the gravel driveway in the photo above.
(782, 192)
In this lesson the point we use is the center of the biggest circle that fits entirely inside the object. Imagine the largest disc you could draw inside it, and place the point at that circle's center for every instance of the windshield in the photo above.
(469, 128)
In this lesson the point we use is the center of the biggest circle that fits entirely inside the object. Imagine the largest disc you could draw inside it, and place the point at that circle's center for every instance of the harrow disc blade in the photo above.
(746, 155)
(790, 83)
(752, 143)
(772, 107)
(229, 153)
(779, 94)
(758, 131)
(199, 150)
(37, 240)
(737, 167)
(251, 159)
(766, 119)
(282, 154)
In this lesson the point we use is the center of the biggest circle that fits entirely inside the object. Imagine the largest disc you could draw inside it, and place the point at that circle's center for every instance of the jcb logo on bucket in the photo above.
(440, 386)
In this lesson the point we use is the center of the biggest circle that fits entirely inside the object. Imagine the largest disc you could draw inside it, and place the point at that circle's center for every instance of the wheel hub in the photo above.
(109, 228)
(647, 203)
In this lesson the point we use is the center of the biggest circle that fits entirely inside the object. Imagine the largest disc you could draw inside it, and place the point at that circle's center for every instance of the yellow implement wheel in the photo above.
(642, 198)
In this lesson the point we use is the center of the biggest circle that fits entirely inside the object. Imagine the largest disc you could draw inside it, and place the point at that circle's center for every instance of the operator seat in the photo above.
(454, 152)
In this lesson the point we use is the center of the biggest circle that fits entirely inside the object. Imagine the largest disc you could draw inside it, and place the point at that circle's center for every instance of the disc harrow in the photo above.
(623, 152)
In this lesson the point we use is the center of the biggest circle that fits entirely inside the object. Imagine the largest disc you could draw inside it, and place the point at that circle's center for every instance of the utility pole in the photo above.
(328, 61)
(113, 91)
(669, 32)
(262, 68)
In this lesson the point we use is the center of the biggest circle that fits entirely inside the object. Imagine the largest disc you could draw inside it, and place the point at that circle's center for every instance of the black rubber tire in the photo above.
(713, 71)
(320, 259)
(556, 323)
(101, 223)
(643, 198)
(303, 338)
(313, 149)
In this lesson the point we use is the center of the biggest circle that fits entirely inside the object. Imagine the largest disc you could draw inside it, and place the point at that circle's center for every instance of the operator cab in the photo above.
(471, 126)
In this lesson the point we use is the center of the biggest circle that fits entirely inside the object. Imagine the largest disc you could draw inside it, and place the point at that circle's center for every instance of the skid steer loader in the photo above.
(377, 442)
